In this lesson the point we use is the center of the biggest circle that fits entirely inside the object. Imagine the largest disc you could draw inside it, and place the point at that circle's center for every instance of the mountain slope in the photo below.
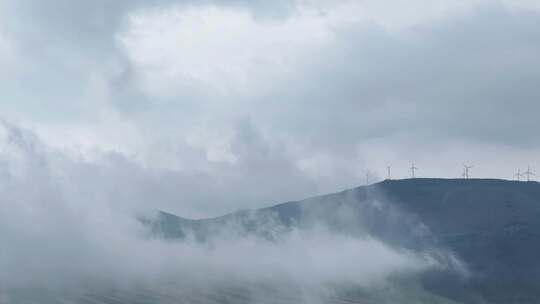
(492, 226)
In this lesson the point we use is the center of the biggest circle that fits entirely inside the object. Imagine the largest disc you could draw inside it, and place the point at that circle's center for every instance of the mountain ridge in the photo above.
(492, 225)
(404, 180)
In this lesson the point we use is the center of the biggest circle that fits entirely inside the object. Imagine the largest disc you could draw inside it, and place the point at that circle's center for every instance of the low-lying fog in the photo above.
(64, 229)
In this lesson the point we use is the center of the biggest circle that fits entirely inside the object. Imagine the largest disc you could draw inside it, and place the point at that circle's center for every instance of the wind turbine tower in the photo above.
(466, 171)
(528, 173)
(388, 169)
(368, 175)
(413, 168)
(518, 174)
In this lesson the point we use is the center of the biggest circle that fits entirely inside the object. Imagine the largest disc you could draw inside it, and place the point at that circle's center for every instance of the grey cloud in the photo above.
(469, 78)
(92, 25)
(66, 223)
(64, 44)
(466, 77)
(435, 73)
(263, 174)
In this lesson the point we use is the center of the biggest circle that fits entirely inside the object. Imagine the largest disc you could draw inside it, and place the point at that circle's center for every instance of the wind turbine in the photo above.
(466, 171)
(518, 174)
(528, 173)
(413, 168)
(368, 175)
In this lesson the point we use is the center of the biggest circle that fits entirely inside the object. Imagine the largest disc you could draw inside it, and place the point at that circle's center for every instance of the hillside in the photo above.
(491, 226)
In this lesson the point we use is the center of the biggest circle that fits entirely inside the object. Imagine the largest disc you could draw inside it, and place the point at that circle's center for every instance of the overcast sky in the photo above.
(205, 107)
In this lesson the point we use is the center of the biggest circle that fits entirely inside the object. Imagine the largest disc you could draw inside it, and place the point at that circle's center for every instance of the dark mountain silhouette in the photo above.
(491, 226)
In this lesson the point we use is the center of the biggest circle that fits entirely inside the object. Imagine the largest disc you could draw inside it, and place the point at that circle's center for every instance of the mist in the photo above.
(70, 226)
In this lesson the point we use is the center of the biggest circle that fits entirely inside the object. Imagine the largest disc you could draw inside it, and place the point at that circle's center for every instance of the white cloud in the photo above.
(230, 51)
(221, 49)
(68, 223)
(331, 89)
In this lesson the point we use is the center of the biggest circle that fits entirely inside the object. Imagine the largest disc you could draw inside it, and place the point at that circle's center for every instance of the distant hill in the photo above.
(492, 226)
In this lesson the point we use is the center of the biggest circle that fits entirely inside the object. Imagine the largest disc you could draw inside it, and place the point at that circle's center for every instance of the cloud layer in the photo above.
(68, 229)
(259, 103)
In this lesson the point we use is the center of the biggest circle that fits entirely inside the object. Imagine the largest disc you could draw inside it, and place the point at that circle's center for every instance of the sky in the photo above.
(205, 107)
